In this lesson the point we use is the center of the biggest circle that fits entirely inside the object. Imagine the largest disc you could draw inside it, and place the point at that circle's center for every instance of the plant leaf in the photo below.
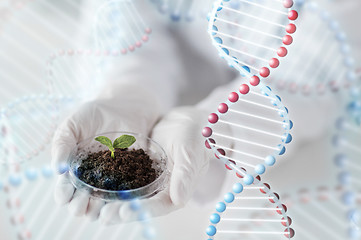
(105, 141)
(124, 141)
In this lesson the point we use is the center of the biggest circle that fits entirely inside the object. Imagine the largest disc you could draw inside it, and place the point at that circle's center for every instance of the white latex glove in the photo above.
(179, 133)
(124, 107)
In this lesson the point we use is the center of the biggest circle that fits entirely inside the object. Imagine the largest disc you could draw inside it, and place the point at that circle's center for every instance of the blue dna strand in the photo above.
(118, 28)
(187, 10)
(347, 156)
(255, 35)
(73, 75)
(22, 121)
(251, 212)
(28, 201)
(322, 51)
(5, 15)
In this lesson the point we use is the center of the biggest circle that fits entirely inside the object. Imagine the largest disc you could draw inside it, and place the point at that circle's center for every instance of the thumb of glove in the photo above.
(63, 143)
(179, 133)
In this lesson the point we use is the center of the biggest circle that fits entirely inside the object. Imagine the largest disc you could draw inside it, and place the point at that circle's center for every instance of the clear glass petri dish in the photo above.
(153, 149)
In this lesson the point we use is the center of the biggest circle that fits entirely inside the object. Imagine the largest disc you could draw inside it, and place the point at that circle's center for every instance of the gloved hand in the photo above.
(179, 133)
(125, 107)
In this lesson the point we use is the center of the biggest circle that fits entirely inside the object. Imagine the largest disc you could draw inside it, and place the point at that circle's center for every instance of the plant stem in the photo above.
(113, 155)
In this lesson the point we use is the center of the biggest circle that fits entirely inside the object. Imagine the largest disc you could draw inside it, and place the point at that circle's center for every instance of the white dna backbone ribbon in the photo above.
(119, 28)
(252, 35)
(8, 8)
(22, 121)
(250, 212)
(318, 214)
(247, 35)
(347, 158)
(32, 213)
(321, 56)
(73, 75)
(187, 10)
(35, 117)
(260, 129)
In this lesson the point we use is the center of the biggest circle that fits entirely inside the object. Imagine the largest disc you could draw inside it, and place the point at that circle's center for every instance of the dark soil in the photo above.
(129, 170)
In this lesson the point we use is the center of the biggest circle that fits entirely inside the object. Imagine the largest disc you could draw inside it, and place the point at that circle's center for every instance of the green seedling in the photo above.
(121, 142)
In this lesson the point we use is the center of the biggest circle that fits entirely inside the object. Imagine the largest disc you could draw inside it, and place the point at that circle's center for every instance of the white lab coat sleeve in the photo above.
(154, 66)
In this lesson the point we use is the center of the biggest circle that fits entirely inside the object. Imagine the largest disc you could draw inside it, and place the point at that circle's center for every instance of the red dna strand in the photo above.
(8, 9)
(347, 153)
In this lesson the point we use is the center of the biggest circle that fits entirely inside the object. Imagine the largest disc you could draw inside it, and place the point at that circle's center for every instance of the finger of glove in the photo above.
(109, 214)
(79, 203)
(179, 134)
(63, 143)
(64, 190)
(158, 205)
(185, 174)
(94, 208)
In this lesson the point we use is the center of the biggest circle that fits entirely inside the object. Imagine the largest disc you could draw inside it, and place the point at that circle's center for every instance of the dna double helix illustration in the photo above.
(249, 158)
(247, 132)
(245, 208)
(259, 123)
